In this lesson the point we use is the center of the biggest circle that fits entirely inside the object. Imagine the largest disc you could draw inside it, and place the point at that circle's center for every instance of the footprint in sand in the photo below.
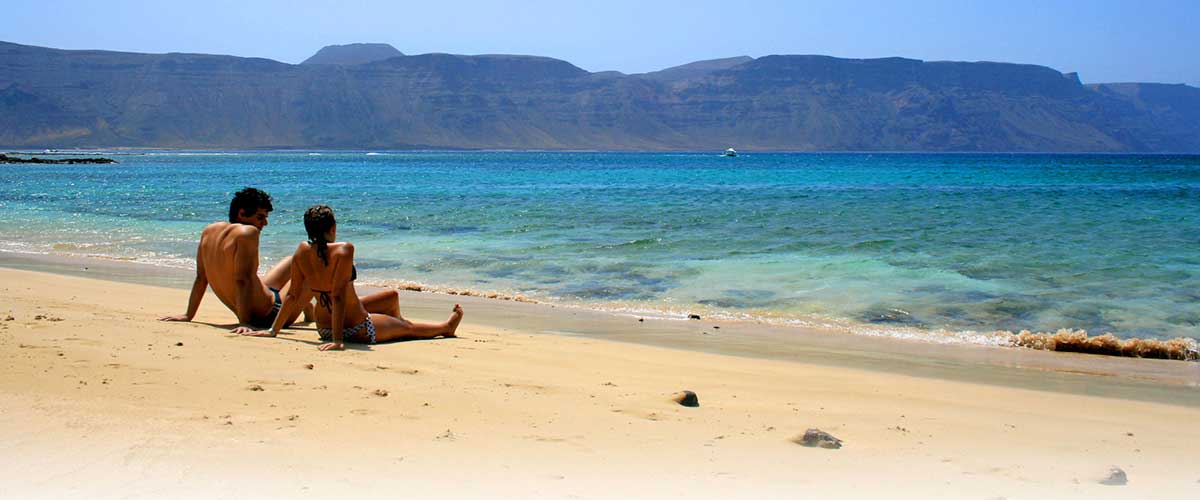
(545, 439)
(538, 389)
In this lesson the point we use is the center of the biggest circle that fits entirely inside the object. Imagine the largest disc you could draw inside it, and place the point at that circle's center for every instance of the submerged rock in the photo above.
(890, 316)
(687, 398)
(818, 438)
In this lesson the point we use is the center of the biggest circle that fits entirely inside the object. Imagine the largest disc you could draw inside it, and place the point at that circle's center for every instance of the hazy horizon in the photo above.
(1105, 41)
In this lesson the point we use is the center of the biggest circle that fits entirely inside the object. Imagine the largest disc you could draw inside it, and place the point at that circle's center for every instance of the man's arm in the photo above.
(245, 270)
(199, 286)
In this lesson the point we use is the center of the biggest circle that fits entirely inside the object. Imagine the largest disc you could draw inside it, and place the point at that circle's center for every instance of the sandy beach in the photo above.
(99, 400)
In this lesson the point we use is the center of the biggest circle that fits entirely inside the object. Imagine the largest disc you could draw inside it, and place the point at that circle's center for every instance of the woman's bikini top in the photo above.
(323, 297)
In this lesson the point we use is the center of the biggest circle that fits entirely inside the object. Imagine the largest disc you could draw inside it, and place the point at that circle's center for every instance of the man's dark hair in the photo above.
(249, 200)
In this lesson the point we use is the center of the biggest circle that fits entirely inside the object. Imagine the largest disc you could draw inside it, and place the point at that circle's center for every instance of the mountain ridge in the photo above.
(354, 53)
(62, 98)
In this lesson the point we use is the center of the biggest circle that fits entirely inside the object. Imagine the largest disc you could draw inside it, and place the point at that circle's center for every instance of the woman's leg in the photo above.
(385, 302)
(279, 275)
(388, 328)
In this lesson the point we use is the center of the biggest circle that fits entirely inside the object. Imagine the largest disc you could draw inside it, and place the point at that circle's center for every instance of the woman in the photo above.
(325, 267)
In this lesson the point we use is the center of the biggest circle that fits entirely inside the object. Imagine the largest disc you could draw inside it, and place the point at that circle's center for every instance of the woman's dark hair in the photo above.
(318, 219)
(248, 201)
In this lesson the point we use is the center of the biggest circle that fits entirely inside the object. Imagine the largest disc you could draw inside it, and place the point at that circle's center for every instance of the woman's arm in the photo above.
(296, 293)
(343, 265)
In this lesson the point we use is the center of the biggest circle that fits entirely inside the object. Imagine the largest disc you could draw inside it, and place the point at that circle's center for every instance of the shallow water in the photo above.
(893, 244)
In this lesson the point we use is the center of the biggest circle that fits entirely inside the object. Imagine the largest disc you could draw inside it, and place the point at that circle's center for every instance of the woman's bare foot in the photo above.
(452, 323)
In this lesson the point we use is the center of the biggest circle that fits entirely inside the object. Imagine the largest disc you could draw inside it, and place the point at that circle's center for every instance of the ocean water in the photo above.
(947, 246)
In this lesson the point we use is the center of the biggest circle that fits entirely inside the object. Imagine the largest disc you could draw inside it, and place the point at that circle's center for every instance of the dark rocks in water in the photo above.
(687, 398)
(64, 161)
(815, 438)
(892, 316)
(693, 316)
(1116, 477)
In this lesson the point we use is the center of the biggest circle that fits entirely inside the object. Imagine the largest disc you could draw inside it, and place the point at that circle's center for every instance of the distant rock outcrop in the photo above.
(354, 53)
(60, 161)
(53, 98)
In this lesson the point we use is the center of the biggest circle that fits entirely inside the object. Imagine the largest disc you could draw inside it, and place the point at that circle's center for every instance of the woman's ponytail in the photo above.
(318, 220)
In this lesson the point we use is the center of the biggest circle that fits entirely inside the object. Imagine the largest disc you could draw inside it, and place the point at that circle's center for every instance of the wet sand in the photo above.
(102, 401)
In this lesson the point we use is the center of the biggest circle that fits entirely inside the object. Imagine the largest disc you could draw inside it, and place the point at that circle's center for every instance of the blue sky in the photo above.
(1105, 41)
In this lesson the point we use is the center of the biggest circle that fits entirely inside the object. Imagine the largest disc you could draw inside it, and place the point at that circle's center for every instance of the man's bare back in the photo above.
(227, 260)
(228, 257)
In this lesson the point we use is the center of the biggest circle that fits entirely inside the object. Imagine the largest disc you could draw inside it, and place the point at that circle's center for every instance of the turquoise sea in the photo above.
(943, 246)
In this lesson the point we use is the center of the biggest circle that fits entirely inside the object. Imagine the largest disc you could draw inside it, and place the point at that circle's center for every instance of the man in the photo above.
(227, 259)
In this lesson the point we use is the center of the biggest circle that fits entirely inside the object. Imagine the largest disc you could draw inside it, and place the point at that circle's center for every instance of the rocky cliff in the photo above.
(59, 98)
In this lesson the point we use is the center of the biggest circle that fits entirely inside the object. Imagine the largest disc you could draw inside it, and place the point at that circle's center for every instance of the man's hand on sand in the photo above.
(179, 317)
(332, 347)
(250, 332)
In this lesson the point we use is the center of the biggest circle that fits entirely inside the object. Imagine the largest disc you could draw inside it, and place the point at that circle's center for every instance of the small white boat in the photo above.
(729, 152)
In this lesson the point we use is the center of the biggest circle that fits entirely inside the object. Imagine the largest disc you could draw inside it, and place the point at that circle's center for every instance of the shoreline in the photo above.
(1154, 380)
(299, 149)
(1062, 340)
(102, 399)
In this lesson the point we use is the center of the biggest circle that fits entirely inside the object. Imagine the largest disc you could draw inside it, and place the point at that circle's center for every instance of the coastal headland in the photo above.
(101, 399)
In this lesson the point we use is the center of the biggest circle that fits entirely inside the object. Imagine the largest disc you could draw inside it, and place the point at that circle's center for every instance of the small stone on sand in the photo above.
(308, 366)
(686, 398)
(818, 438)
(381, 393)
(1116, 477)
(179, 344)
(254, 387)
(9, 318)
